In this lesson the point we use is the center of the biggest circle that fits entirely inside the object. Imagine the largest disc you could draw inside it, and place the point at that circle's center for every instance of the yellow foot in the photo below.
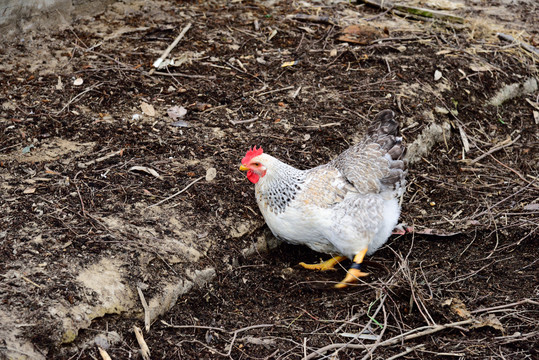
(325, 265)
(354, 273)
(352, 277)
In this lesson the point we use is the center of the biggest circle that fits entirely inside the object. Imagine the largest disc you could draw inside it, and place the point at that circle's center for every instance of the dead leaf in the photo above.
(176, 112)
(481, 67)
(145, 169)
(457, 307)
(147, 109)
(435, 232)
(307, 29)
(361, 34)
(443, 4)
(181, 123)
(443, 52)
(147, 192)
(273, 33)
(491, 321)
(59, 85)
(531, 207)
(187, 57)
(29, 190)
(201, 106)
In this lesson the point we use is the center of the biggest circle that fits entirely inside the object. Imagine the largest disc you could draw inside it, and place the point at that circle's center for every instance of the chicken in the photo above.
(346, 208)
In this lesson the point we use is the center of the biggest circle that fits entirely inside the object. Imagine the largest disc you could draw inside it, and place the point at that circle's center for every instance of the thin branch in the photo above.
(178, 193)
(406, 352)
(172, 46)
(412, 334)
(525, 301)
(494, 149)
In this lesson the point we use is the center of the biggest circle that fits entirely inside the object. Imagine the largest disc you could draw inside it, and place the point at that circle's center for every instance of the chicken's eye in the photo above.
(256, 164)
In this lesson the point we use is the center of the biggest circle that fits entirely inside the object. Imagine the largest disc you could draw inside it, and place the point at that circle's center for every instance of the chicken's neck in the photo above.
(279, 186)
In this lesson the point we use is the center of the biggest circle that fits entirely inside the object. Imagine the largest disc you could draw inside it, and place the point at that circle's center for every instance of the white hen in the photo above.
(347, 207)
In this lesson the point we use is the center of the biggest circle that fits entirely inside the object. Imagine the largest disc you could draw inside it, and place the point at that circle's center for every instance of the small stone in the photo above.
(102, 341)
(437, 75)
(211, 173)
(441, 110)
(113, 337)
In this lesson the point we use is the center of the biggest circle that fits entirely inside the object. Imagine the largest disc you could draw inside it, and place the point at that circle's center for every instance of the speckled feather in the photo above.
(341, 207)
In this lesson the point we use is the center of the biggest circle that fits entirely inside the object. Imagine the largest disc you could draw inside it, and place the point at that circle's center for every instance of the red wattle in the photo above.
(252, 177)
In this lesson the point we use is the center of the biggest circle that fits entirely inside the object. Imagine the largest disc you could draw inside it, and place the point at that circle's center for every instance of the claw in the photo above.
(352, 277)
(354, 273)
(324, 265)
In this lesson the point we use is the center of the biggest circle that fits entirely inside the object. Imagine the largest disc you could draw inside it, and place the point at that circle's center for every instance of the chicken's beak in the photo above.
(243, 168)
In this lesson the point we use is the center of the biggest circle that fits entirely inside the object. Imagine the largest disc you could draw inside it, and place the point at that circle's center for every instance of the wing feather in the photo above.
(374, 165)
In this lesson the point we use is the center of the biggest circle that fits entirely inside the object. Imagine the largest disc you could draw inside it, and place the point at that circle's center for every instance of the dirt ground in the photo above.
(120, 183)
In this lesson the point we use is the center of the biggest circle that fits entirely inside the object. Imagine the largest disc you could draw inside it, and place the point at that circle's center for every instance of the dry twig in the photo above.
(405, 10)
(178, 193)
(100, 159)
(524, 45)
(144, 350)
(494, 149)
(103, 353)
(412, 334)
(172, 46)
(146, 309)
(505, 306)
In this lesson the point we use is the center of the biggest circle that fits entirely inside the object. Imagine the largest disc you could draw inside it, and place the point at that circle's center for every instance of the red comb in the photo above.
(251, 154)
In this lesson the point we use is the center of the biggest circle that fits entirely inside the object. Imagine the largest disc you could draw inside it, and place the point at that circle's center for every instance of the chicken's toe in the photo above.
(324, 265)
(352, 277)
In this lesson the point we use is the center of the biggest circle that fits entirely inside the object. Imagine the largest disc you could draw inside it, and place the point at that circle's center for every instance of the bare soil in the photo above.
(80, 231)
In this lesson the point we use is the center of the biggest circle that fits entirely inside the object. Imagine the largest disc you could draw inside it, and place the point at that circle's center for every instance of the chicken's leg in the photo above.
(325, 265)
(354, 273)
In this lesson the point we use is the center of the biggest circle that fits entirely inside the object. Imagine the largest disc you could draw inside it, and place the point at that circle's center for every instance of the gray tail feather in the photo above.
(384, 130)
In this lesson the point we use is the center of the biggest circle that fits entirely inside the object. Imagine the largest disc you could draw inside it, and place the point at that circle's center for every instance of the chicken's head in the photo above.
(253, 164)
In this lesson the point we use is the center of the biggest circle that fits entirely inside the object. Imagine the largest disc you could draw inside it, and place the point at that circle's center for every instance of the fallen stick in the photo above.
(90, 88)
(521, 302)
(494, 149)
(276, 90)
(236, 122)
(30, 281)
(412, 334)
(146, 309)
(144, 349)
(102, 158)
(172, 46)
(422, 12)
(312, 18)
(523, 45)
(406, 352)
(191, 76)
(323, 125)
(103, 353)
(178, 193)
